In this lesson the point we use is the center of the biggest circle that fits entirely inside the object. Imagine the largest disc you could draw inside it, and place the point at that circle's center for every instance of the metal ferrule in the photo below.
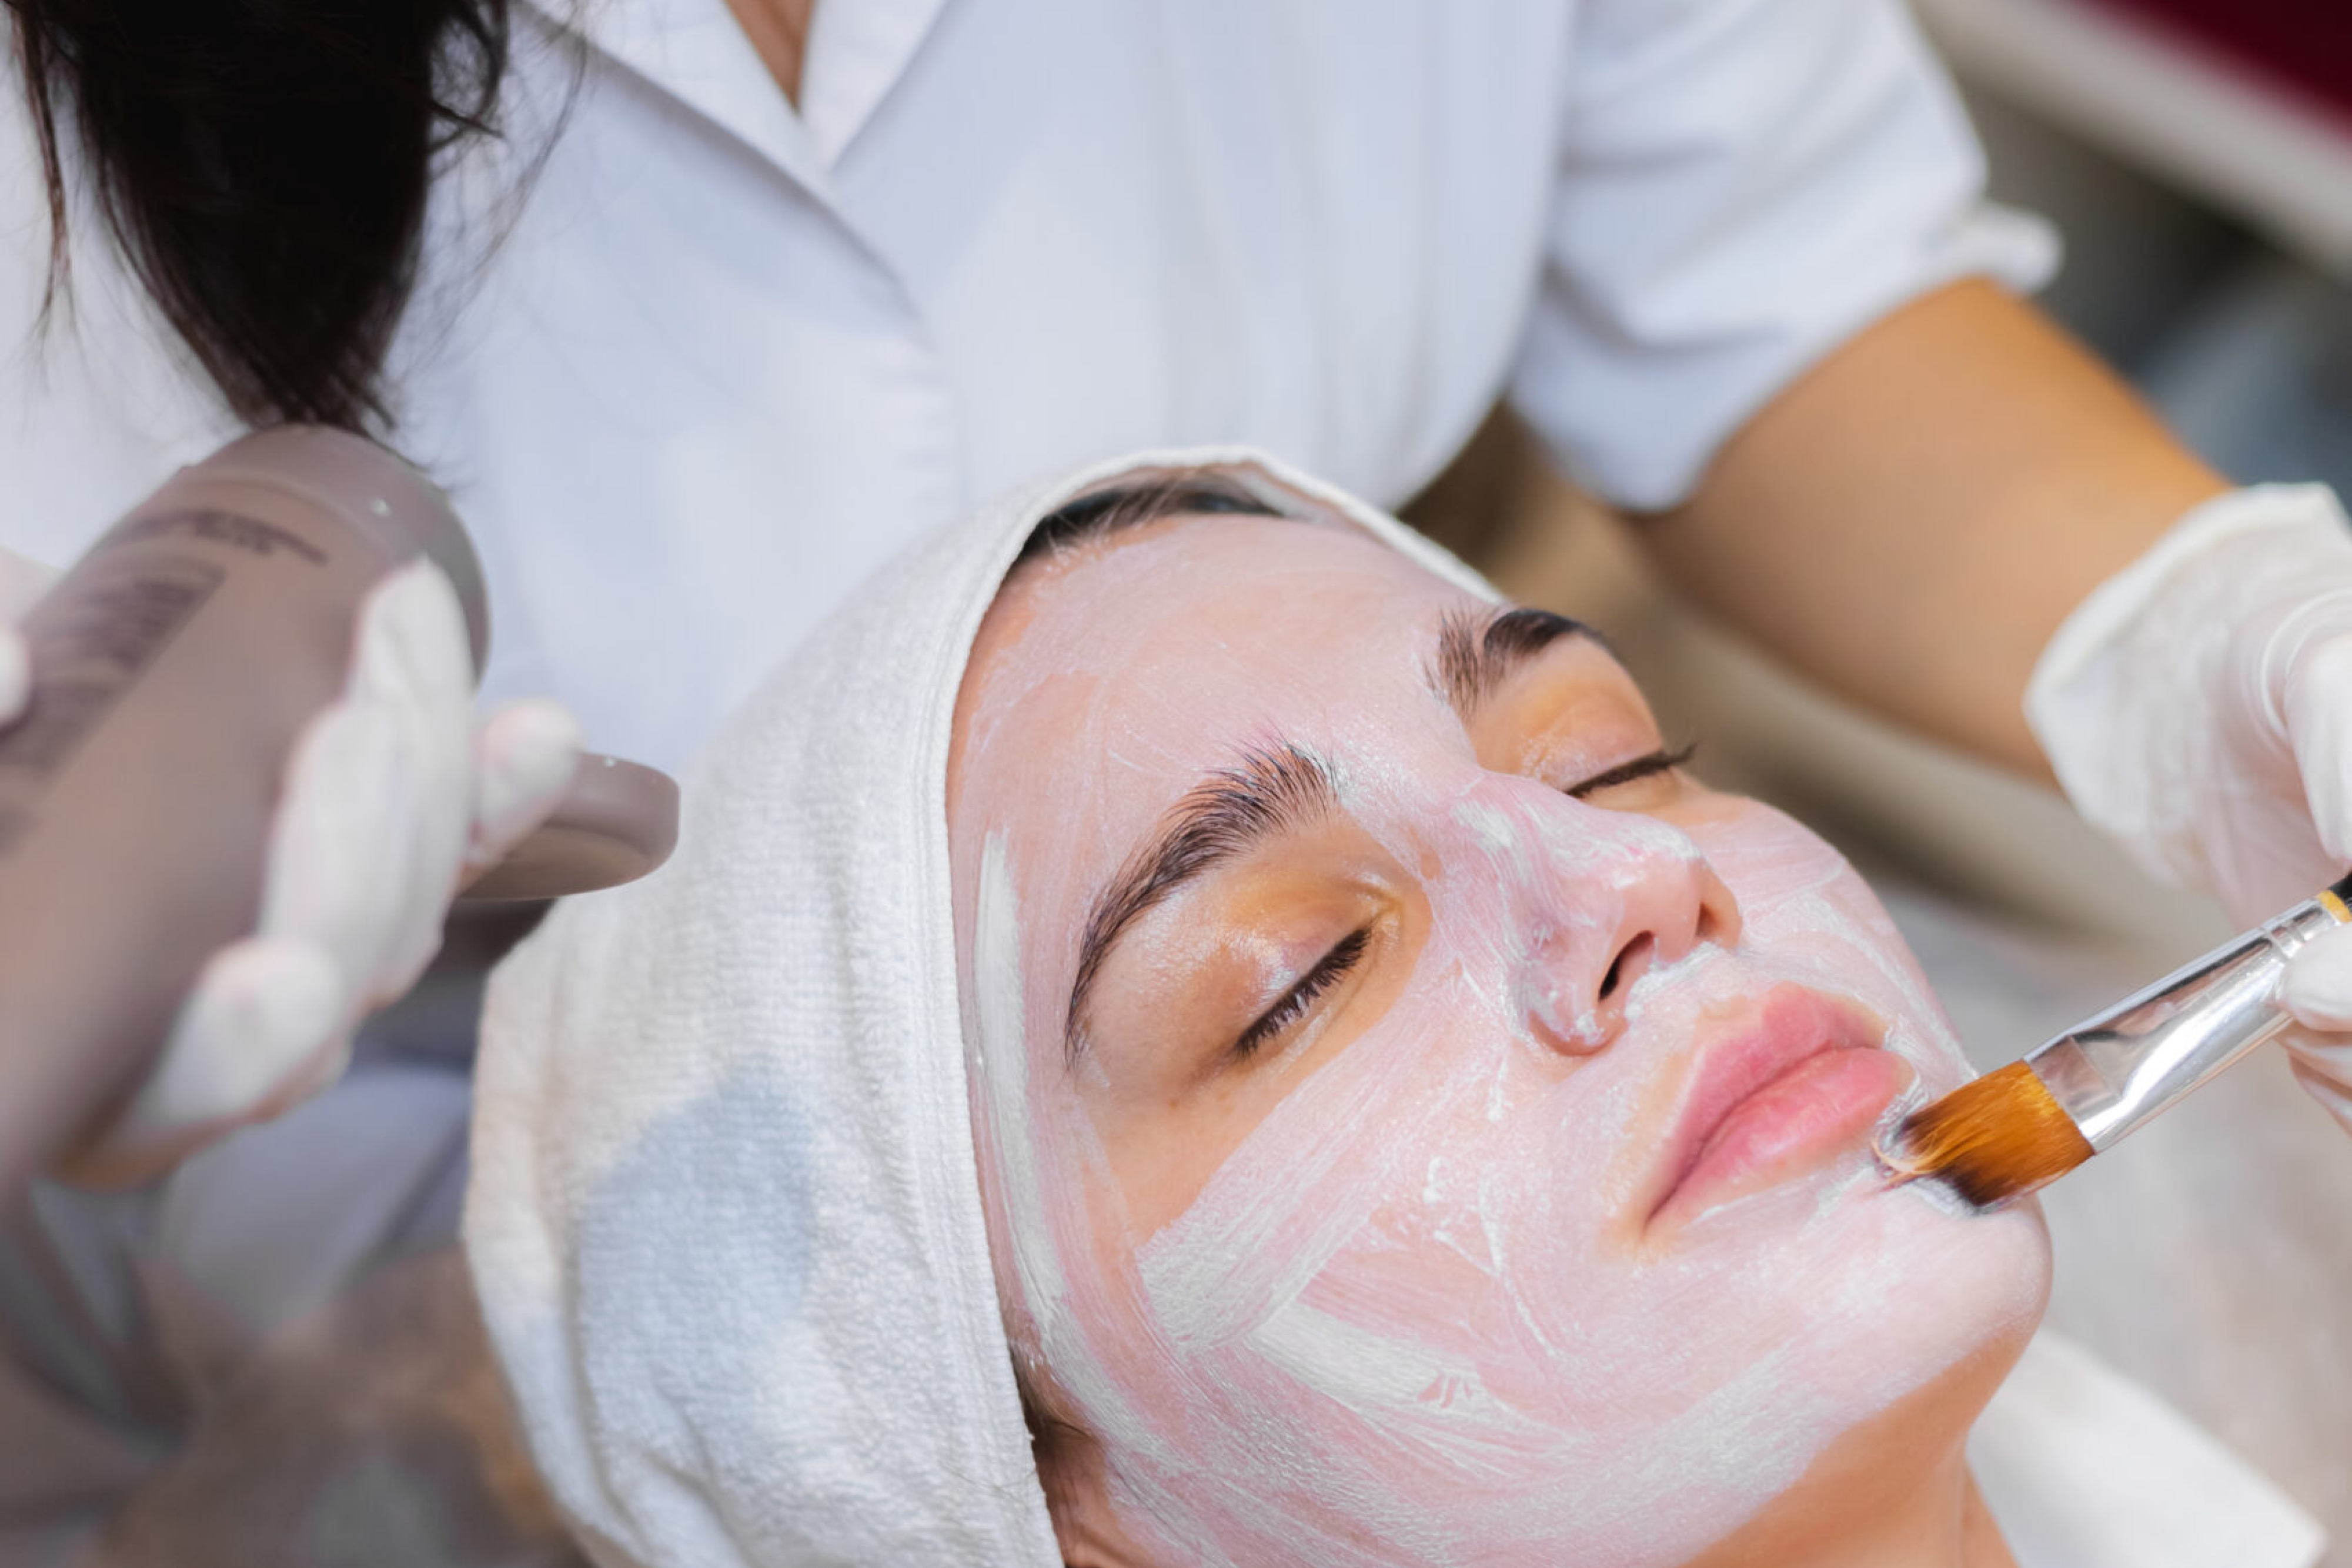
(2116, 1071)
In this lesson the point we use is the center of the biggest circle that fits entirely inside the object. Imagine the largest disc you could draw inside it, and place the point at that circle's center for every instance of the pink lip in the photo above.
(1796, 1078)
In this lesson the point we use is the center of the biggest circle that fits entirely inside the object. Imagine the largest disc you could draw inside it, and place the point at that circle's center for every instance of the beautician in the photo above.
(700, 307)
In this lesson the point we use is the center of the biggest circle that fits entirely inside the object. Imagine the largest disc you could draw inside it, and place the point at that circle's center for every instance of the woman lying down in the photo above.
(1185, 1033)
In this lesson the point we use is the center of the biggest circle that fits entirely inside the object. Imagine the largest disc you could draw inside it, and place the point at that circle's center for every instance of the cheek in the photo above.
(1404, 1309)
(1806, 912)
(1408, 1309)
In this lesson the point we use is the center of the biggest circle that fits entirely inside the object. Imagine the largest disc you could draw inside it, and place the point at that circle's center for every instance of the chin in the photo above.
(1932, 1287)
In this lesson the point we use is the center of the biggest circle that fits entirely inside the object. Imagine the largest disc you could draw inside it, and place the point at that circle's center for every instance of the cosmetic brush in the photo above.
(2025, 1125)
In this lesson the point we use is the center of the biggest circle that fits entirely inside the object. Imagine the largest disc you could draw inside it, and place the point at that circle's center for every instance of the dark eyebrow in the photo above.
(1270, 790)
(1478, 650)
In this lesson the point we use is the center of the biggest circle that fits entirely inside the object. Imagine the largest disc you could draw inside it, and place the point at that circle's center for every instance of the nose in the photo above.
(1598, 930)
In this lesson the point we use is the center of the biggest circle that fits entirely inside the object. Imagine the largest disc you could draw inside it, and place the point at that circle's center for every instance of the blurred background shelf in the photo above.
(2217, 112)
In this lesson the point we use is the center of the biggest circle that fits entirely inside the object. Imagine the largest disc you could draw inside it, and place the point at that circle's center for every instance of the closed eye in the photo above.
(1292, 1005)
(1656, 762)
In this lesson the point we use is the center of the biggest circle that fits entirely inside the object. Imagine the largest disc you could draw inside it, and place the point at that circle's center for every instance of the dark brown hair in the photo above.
(1115, 508)
(264, 165)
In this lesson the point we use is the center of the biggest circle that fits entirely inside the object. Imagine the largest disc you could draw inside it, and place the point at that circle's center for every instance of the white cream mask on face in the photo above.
(1444, 1275)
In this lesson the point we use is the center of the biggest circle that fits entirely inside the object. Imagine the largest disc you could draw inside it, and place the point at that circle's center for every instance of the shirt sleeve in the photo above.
(1742, 184)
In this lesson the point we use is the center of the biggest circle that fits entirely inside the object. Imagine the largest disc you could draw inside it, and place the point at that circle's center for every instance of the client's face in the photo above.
(1420, 1122)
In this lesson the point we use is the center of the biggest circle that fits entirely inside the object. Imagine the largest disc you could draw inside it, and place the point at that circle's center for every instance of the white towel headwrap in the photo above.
(725, 1218)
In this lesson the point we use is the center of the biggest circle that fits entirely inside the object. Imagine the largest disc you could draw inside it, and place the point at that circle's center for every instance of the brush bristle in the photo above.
(1992, 1140)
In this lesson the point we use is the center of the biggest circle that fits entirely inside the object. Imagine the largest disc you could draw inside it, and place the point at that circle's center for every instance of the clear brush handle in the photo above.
(2115, 1071)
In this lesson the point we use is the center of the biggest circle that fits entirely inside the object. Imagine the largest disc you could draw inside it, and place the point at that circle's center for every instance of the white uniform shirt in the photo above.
(729, 355)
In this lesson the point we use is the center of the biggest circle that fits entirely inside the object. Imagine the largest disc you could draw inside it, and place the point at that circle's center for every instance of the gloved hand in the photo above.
(2198, 706)
(393, 796)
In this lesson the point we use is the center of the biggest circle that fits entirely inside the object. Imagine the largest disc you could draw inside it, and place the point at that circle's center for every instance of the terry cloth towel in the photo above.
(725, 1221)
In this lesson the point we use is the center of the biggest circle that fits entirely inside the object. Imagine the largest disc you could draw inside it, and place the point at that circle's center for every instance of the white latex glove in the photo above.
(392, 795)
(2198, 706)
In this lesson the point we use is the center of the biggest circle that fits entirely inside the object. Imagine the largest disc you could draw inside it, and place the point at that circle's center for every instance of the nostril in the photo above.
(1718, 913)
(1630, 960)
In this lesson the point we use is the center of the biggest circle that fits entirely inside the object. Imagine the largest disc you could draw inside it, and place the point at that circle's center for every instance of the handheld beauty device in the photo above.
(173, 668)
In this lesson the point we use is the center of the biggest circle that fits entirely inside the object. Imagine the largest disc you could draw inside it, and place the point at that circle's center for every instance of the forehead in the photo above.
(1106, 682)
(1169, 567)
(1192, 635)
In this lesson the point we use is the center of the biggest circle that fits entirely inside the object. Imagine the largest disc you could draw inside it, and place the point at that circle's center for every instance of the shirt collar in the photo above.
(857, 51)
(696, 52)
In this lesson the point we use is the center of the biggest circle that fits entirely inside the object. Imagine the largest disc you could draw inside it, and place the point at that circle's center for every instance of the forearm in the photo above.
(1909, 521)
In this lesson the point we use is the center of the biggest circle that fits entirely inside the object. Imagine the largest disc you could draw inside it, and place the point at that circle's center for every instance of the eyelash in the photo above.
(1292, 1005)
(1349, 951)
(1640, 768)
